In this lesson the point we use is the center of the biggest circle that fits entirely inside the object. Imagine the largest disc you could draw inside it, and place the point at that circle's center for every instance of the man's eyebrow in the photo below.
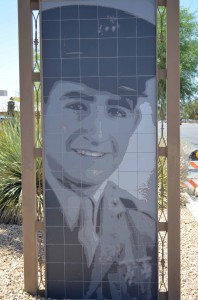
(78, 95)
(122, 102)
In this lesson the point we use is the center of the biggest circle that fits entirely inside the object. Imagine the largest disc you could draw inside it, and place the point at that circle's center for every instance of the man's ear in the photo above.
(137, 115)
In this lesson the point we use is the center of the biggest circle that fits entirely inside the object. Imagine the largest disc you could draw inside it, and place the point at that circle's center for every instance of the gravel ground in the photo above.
(11, 260)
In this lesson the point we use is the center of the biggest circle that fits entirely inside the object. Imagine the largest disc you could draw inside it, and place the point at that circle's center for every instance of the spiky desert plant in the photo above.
(11, 174)
(162, 182)
(10, 171)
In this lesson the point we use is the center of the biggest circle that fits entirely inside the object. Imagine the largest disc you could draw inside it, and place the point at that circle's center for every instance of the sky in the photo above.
(9, 61)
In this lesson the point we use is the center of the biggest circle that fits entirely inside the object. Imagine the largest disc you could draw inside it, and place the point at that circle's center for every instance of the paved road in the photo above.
(189, 133)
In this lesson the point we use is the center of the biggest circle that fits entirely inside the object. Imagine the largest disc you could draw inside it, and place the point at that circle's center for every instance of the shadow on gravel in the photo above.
(11, 238)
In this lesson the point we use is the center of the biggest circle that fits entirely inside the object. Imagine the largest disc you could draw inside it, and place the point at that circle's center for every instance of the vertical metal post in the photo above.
(173, 139)
(27, 137)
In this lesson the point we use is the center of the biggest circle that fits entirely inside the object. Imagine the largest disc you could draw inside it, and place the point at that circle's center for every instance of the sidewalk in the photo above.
(192, 205)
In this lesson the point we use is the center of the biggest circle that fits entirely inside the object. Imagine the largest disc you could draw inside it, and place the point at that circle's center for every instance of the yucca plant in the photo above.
(10, 173)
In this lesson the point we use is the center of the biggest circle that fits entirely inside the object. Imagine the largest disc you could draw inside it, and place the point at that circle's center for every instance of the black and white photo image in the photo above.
(99, 82)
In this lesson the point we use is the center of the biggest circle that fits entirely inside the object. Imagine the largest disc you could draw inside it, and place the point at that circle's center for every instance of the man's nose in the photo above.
(93, 129)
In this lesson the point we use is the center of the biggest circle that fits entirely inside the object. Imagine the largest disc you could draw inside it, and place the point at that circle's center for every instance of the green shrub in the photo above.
(10, 171)
(10, 174)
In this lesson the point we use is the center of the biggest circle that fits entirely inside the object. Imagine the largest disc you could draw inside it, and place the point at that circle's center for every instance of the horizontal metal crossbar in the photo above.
(162, 3)
(163, 226)
(38, 152)
(36, 76)
(163, 151)
(34, 4)
(163, 295)
(39, 226)
(162, 74)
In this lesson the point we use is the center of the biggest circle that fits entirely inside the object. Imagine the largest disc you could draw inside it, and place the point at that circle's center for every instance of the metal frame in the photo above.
(29, 152)
(173, 142)
(27, 147)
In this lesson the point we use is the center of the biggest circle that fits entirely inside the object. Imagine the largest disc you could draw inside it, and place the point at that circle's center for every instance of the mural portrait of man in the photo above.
(98, 64)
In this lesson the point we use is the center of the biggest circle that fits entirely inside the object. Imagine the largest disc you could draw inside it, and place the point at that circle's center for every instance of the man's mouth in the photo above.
(89, 153)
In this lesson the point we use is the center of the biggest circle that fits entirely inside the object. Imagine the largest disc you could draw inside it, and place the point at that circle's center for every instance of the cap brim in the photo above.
(144, 9)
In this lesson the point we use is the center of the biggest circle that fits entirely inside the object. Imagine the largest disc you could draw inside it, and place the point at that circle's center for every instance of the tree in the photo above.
(190, 110)
(188, 52)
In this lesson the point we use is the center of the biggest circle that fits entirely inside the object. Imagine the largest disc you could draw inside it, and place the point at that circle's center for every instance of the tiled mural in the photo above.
(99, 91)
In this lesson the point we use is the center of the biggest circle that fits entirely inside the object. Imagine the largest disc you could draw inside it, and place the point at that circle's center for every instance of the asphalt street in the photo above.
(189, 133)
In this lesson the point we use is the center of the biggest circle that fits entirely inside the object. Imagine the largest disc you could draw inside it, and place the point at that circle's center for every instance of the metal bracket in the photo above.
(162, 74)
(163, 295)
(163, 226)
(162, 2)
(39, 225)
(34, 4)
(163, 151)
(36, 77)
(38, 152)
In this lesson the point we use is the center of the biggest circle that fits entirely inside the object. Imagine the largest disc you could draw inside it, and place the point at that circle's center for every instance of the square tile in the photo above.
(54, 235)
(147, 143)
(108, 28)
(127, 66)
(109, 84)
(127, 85)
(146, 162)
(70, 68)
(88, 29)
(106, 12)
(51, 48)
(50, 199)
(69, 12)
(146, 66)
(129, 162)
(55, 254)
(89, 67)
(73, 254)
(50, 30)
(108, 66)
(92, 82)
(55, 271)
(127, 27)
(51, 14)
(89, 47)
(146, 46)
(128, 180)
(55, 289)
(51, 68)
(127, 47)
(70, 48)
(73, 272)
(74, 290)
(88, 12)
(145, 28)
(48, 85)
(70, 29)
(108, 47)
(54, 217)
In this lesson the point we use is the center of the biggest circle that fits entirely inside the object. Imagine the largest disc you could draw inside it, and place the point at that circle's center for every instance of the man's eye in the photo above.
(77, 106)
(116, 112)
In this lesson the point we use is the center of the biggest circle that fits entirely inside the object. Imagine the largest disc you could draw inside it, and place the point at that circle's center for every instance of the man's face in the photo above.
(92, 129)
